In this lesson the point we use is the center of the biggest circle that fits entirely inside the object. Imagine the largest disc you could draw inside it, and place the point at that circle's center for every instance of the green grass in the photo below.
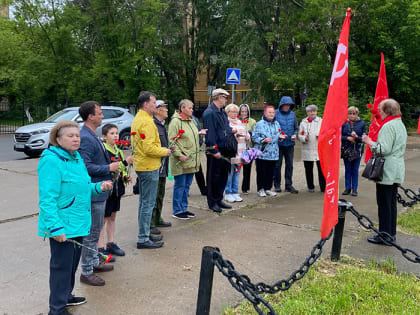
(346, 287)
(409, 222)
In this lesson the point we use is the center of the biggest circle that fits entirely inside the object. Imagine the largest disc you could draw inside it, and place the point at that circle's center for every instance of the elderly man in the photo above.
(217, 125)
(147, 160)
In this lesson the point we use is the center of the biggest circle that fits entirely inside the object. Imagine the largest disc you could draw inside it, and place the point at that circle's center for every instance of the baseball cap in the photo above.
(218, 92)
(160, 103)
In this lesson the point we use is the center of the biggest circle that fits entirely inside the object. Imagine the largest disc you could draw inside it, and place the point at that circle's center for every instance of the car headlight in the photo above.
(37, 132)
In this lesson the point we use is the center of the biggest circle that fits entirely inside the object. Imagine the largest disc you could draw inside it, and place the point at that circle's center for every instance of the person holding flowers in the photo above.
(147, 161)
(249, 122)
(242, 136)
(65, 190)
(267, 135)
(308, 134)
(120, 179)
(185, 160)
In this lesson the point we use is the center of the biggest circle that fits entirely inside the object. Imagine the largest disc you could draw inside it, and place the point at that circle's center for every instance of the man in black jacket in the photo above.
(161, 113)
(217, 125)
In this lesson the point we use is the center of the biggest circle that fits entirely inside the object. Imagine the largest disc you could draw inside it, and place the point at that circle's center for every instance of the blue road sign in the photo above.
(233, 76)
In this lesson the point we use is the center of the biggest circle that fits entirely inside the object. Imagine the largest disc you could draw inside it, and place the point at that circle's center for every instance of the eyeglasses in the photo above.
(224, 96)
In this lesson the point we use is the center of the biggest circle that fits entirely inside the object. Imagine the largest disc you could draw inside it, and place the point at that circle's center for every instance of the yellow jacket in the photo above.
(147, 151)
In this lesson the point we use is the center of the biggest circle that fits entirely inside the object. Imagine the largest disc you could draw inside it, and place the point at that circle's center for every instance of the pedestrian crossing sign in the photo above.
(233, 76)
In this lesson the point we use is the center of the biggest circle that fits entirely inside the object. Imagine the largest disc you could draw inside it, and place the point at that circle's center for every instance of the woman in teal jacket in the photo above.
(65, 190)
(391, 143)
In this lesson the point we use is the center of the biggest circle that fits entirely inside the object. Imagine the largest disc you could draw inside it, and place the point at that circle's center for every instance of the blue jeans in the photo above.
(232, 185)
(89, 257)
(352, 173)
(181, 190)
(148, 185)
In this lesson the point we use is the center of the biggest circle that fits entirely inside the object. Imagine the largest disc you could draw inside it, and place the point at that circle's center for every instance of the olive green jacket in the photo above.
(188, 145)
(392, 139)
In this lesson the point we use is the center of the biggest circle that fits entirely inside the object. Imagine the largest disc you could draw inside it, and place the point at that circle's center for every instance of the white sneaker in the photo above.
(261, 193)
(237, 197)
(271, 193)
(229, 198)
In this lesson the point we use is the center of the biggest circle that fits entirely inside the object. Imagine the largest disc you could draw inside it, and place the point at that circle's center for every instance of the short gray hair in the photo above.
(311, 108)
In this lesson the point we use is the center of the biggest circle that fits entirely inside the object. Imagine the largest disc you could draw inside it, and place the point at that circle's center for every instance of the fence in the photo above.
(212, 257)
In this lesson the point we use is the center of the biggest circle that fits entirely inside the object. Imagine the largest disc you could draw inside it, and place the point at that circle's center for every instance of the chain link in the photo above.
(385, 237)
(410, 194)
(243, 284)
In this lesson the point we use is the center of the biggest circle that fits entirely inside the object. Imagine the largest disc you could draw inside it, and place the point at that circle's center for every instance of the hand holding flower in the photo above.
(202, 132)
(183, 158)
(114, 166)
(60, 238)
(130, 159)
(107, 185)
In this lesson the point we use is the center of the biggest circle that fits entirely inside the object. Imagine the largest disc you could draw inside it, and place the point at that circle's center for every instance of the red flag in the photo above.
(418, 126)
(329, 143)
(380, 95)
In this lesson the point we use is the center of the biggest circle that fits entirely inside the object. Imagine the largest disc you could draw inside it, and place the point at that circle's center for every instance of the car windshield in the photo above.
(61, 115)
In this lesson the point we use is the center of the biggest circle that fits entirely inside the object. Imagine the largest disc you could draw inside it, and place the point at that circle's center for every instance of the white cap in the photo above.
(218, 92)
(160, 103)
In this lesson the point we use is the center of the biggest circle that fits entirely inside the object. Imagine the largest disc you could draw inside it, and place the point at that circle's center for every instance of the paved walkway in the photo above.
(265, 238)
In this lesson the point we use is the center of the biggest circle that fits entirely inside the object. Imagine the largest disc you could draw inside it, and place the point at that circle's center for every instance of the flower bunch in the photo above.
(122, 144)
(281, 132)
(176, 138)
(244, 121)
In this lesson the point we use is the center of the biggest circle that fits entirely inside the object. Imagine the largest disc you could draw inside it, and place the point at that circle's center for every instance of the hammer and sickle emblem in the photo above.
(341, 50)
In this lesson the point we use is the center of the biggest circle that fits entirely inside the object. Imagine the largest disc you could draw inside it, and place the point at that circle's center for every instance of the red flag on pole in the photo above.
(380, 95)
(329, 143)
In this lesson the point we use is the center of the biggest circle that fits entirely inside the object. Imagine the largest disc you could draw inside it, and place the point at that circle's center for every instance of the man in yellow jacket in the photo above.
(147, 158)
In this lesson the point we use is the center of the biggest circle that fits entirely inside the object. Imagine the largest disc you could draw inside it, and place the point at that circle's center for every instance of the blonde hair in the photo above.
(230, 107)
(390, 107)
(57, 130)
(353, 109)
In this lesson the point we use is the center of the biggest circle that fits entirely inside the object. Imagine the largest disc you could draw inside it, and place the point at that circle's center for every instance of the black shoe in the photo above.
(378, 241)
(76, 300)
(354, 193)
(181, 216)
(311, 190)
(215, 208)
(149, 244)
(155, 231)
(63, 312)
(114, 249)
(190, 214)
(292, 190)
(105, 252)
(155, 238)
(164, 224)
(221, 204)
(346, 192)
(277, 189)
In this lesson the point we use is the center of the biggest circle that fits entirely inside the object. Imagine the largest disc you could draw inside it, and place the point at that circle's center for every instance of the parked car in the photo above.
(33, 139)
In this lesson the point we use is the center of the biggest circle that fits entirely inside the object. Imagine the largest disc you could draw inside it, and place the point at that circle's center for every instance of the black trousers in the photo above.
(309, 172)
(217, 176)
(287, 153)
(201, 182)
(246, 177)
(386, 198)
(265, 170)
(63, 265)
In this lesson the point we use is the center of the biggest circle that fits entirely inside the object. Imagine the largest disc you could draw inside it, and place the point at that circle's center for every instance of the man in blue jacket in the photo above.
(217, 125)
(99, 168)
(289, 126)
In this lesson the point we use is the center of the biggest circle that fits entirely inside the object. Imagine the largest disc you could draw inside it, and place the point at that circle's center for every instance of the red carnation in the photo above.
(238, 116)
(181, 131)
(143, 136)
(117, 142)
(107, 258)
(133, 133)
(112, 158)
(282, 133)
(302, 133)
(369, 105)
(351, 122)
(279, 129)
(215, 146)
(309, 120)
(240, 165)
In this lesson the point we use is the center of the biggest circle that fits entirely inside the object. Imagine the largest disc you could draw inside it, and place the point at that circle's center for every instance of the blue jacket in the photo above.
(287, 120)
(65, 191)
(217, 123)
(96, 159)
(359, 127)
(266, 129)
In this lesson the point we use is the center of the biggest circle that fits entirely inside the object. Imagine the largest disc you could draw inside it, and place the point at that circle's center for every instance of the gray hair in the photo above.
(311, 108)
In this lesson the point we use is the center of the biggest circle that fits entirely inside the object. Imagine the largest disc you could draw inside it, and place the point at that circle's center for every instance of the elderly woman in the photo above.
(242, 136)
(185, 159)
(65, 189)
(352, 149)
(249, 122)
(308, 135)
(391, 142)
(266, 137)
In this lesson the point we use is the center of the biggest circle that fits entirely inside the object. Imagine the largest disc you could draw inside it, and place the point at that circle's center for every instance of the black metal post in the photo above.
(23, 113)
(338, 230)
(206, 281)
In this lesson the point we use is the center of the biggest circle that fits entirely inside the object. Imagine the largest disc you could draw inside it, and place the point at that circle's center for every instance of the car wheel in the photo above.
(125, 135)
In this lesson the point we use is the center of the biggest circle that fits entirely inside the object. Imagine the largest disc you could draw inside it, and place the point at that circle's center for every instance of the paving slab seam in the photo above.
(17, 172)
(19, 218)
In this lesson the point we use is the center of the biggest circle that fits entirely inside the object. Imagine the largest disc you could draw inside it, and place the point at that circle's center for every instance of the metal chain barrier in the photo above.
(367, 223)
(243, 284)
(410, 194)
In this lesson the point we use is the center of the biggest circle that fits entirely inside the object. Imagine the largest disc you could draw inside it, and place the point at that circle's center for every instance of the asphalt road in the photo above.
(6, 149)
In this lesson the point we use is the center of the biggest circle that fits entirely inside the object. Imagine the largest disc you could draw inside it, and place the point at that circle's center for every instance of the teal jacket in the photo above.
(392, 139)
(65, 190)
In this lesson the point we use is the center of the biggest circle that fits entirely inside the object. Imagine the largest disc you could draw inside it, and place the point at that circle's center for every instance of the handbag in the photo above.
(374, 169)
(349, 153)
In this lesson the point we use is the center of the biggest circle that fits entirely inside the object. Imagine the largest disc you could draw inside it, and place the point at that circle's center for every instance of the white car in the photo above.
(33, 139)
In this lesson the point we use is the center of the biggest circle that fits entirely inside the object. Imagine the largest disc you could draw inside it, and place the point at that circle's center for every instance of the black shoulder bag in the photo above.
(374, 169)
(230, 147)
